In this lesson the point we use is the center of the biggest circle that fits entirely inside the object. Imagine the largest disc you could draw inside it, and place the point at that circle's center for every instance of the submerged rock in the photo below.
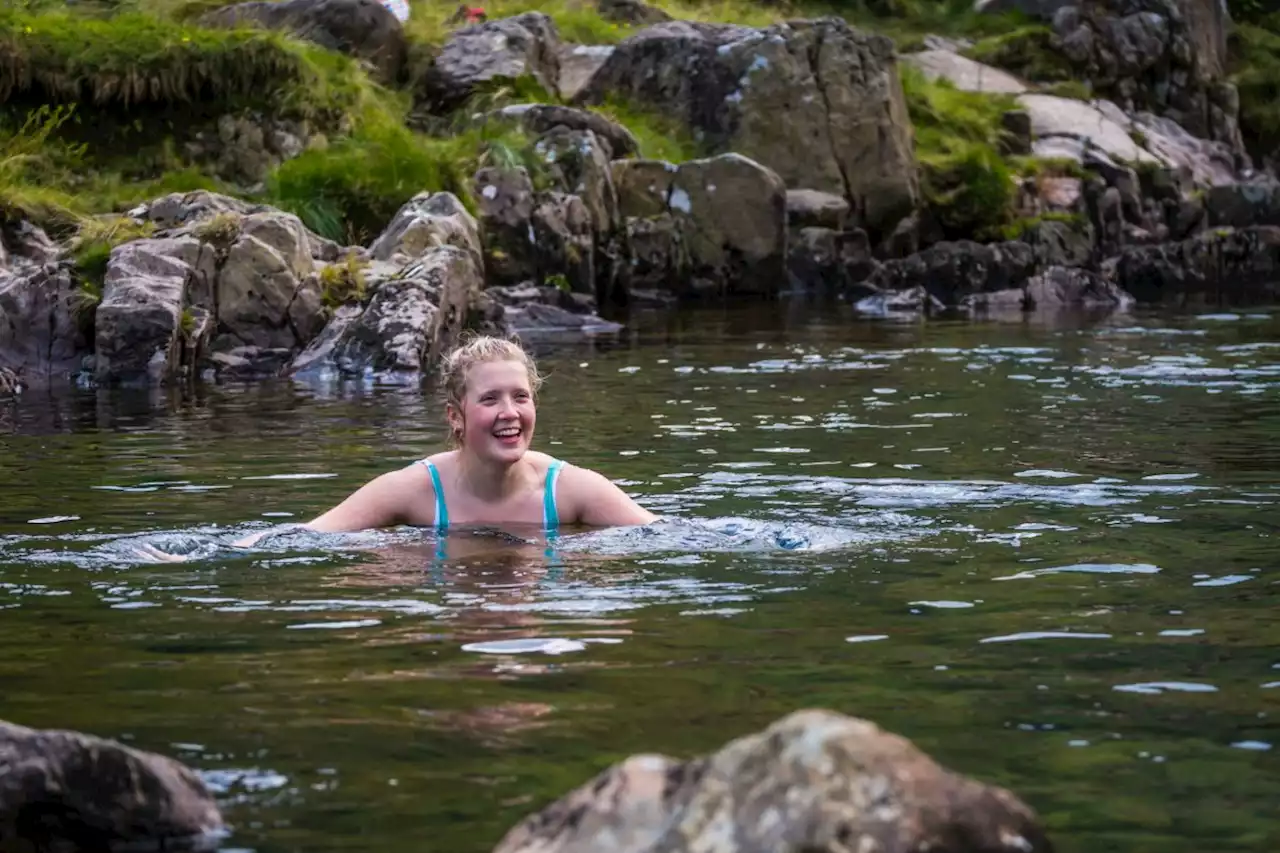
(951, 271)
(67, 790)
(812, 781)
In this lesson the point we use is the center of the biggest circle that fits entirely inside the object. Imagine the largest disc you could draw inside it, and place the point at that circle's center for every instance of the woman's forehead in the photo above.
(490, 375)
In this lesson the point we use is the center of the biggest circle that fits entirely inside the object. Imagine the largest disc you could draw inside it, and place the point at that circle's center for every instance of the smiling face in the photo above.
(497, 414)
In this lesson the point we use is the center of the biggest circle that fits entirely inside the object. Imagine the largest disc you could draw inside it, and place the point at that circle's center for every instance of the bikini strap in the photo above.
(550, 514)
(442, 512)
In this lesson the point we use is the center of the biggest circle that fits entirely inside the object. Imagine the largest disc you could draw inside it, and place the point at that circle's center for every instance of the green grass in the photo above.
(967, 184)
(659, 137)
(1025, 51)
(352, 189)
(1255, 69)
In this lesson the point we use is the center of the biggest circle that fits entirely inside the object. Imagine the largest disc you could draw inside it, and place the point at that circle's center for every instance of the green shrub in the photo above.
(1255, 70)
(1027, 52)
(350, 190)
(967, 185)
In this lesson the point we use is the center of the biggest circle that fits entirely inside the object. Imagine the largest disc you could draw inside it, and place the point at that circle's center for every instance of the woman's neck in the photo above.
(492, 481)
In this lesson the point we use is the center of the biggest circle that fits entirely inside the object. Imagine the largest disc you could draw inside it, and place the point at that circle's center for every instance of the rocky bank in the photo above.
(814, 780)
(1134, 184)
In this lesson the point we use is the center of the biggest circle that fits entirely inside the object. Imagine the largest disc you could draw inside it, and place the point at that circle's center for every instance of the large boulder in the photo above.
(813, 781)
(413, 315)
(846, 129)
(66, 790)
(964, 73)
(1168, 57)
(505, 50)
(268, 302)
(42, 321)
(715, 225)
(1067, 128)
(140, 329)
(425, 222)
(361, 28)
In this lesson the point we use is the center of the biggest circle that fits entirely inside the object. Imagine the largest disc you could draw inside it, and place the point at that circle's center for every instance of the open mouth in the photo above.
(508, 434)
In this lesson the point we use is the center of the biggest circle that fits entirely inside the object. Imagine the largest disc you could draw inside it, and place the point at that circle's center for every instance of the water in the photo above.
(1047, 554)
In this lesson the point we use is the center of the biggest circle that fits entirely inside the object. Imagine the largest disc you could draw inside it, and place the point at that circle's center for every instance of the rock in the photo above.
(1041, 9)
(1210, 163)
(1055, 117)
(732, 214)
(243, 148)
(410, 320)
(23, 244)
(814, 780)
(846, 129)
(563, 233)
(10, 382)
(578, 64)
(1242, 205)
(43, 321)
(267, 297)
(1055, 289)
(577, 163)
(139, 324)
(526, 45)
(1234, 266)
(951, 271)
(1057, 242)
(643, 186)
(360, 28)
(824, 260)
(912, 301)
(1164, 56)
(632, 12)
(67, 790)
(964, 73)
(811, 208)
(539, 119)
(530, 310)
(181, 214)
(425, 222)
(1018, 133)
(658, 261)
(506, 200)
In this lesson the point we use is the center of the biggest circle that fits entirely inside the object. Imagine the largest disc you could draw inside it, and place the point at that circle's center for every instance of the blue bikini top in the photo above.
(550, 515)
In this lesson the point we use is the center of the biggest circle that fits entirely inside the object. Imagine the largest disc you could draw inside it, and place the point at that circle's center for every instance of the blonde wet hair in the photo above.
(480, 349)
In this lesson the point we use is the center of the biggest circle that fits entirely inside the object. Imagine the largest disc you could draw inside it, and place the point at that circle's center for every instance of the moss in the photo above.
(1075, 89)
(659, 137)
(91, 247)
(1019, 228)
(343, 282)
(220, 231)
(1026, 51)
(1255, 70)
(967, 185)
(1056, 167)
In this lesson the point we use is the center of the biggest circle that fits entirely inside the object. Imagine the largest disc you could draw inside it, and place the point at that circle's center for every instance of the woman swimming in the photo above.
(490, 476)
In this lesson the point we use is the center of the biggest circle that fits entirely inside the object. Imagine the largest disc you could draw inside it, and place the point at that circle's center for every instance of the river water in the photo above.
(1047, 553)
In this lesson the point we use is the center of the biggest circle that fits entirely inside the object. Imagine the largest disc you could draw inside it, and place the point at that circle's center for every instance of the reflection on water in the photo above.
(1044, 552)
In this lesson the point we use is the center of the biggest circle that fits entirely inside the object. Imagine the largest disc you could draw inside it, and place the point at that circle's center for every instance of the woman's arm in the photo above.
(600, 503)
(378, 503)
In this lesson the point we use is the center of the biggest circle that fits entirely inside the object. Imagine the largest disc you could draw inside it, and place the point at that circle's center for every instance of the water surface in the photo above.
(1046, 553)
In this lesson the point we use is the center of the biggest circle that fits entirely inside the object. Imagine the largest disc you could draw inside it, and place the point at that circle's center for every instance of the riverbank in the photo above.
(934, 159)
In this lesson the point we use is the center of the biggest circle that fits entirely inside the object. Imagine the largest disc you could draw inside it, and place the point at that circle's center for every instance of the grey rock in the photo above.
(539, 119)
(525, 45)
(68, 790)
(42, 321)
(425, 222)
(964, 73)
(950, 271)
(814, 780)
(846, 129)
(361, 28)
(1232, 266)
(1245, 204)
(812, 208)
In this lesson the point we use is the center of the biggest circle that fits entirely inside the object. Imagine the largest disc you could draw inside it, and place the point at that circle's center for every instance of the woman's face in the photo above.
(497, 416)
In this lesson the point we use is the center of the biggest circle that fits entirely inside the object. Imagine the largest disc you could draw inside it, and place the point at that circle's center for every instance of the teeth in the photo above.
(507, 433)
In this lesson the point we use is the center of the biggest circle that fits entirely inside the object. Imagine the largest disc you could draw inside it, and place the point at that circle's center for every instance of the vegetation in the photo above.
(342, 282)
(968, 184)
(1255, 70)
(103, 97)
